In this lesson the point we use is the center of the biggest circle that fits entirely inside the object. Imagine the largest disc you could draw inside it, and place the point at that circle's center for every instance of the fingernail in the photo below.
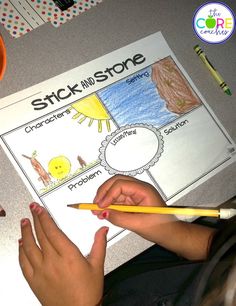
(106, 230)
(24, 222)
(20, 241)
(105, 214)
(33, 206)
(38, 210)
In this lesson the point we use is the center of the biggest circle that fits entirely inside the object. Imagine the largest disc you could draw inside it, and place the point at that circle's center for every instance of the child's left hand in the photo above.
(55, 269)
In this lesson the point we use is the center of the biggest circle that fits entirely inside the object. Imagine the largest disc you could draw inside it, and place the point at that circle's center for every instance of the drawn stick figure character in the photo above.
(43, 175)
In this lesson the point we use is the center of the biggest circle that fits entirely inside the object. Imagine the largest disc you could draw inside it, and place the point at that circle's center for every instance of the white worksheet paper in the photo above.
(134, 111)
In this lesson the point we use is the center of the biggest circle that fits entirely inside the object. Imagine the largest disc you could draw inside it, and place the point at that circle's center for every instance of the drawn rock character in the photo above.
(59, 167)
(81, 162)
(43, 175)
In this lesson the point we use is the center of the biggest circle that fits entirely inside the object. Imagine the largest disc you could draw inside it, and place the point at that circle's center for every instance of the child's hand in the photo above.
(56, 271)
(186, 239)
(130, 191)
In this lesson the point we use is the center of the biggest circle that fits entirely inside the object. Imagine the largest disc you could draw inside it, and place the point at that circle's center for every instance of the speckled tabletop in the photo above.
(47, 51)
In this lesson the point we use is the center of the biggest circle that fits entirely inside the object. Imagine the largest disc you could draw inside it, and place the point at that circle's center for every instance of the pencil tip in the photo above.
(72, 205)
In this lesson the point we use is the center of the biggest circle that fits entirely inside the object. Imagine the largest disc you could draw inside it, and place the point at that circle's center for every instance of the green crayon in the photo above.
(212, 70)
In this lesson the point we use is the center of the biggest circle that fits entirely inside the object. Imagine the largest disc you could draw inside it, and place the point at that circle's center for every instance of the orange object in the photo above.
(3, 58)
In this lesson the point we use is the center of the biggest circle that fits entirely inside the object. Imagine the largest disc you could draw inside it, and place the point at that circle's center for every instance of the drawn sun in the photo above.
(91, 108)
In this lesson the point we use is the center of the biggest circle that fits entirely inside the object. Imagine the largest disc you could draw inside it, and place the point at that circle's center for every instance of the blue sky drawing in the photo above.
(137, 101)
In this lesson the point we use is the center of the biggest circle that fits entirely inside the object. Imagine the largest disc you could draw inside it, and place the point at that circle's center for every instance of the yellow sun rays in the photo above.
(91, 108)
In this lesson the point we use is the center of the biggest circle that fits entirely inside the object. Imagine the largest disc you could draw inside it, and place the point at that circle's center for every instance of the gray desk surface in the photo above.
(48, 51)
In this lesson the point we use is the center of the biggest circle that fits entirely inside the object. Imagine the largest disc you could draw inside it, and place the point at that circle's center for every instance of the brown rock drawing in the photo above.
(173, 87)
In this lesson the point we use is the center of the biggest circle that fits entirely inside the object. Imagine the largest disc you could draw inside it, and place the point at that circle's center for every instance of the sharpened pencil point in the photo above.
(73, 205)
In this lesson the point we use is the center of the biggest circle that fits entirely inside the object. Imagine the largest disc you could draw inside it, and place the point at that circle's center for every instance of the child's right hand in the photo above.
(186, 239)
(129, 191)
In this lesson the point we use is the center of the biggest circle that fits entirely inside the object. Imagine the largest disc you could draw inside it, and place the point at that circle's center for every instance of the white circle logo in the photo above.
(214, 22)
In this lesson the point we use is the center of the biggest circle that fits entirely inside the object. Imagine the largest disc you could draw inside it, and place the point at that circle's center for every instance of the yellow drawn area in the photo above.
(59, 167)
(91, 108)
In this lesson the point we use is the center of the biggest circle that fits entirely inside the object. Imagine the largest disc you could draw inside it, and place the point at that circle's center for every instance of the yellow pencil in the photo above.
(223, 213)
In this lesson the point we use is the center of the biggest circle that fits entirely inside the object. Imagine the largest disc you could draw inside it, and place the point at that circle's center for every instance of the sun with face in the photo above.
(91, 108)
(59, 167)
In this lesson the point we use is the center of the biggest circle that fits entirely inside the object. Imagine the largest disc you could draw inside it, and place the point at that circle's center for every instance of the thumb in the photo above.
(98, 250)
